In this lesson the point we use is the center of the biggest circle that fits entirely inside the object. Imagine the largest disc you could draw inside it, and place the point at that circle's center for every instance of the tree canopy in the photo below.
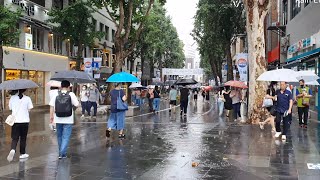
(76, 26)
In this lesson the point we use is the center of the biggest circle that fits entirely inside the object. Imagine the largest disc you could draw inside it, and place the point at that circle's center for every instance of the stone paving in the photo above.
(164, 146)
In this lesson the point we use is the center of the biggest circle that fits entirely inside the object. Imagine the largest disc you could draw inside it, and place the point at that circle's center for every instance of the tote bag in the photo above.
(121, 106)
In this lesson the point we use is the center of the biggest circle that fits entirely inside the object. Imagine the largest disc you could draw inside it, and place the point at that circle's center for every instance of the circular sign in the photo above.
(87, 64)
(242, 63)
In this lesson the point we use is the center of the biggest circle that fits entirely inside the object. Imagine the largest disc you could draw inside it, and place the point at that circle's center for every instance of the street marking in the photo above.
(313, 166)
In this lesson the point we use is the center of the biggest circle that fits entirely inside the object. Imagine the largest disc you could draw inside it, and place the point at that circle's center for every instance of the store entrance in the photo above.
(37, 94)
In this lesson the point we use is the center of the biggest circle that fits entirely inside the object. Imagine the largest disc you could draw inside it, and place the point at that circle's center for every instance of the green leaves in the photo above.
(76, 26)
(9, 33)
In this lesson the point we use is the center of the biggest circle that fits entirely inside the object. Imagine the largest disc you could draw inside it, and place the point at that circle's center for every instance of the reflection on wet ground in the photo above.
(164, 146)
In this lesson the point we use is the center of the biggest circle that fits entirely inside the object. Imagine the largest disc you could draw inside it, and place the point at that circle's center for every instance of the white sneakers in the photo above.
(284, 137)
(11, 154)
(82, 116)
(261, 125)
(24, 156)
(277, 134)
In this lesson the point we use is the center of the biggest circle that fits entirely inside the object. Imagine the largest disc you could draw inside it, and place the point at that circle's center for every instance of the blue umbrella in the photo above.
(122, 77)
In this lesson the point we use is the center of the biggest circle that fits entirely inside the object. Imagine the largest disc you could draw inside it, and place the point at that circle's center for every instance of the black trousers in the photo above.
(184, 106)
(19, 130)
(303, 111)
(285, 122)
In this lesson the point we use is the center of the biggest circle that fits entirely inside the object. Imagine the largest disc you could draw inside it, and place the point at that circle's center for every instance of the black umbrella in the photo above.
(185, 82)
(73, 77)
(18, 84)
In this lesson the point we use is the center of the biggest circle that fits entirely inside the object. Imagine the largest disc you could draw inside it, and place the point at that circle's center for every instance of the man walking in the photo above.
(61, 111)
(303, 94)
(93, 96)
(283, 110)
(173, 98)
(184, 97)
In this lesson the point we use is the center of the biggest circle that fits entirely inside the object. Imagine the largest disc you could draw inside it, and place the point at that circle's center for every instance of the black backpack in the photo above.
(63, 105)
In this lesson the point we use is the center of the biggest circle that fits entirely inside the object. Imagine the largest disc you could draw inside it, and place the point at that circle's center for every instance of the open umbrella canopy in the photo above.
(278, 75)
(137, 86)
(122, 77)
(237, 84)
(73, 77)
(185, 82)
(54, 83)
(18, 84)
(307, 76)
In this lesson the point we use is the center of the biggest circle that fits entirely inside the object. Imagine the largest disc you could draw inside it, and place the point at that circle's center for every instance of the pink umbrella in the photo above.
(54, 83)
(237, 84)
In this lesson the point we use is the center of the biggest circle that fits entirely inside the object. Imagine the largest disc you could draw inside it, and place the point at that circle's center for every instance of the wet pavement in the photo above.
(164, 146)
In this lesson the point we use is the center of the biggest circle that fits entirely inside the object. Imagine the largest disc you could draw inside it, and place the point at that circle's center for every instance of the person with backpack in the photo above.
(20, 105)
(61, 111)
(93, 100)
(303, 95)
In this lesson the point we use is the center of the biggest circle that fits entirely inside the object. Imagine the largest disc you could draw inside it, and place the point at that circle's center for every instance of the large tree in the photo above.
(75, 23)
(129, 17)
(216, 22)
(256, 11)
(9, 34)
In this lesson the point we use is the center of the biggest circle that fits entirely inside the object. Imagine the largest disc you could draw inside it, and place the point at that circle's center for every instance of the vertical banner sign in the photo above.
(96, 67)
(88, 65)
(242, 64)
(28, 41)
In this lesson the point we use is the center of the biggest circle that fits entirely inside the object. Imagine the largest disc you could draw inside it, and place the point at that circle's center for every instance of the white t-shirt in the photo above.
(65, 120)
(53, 93)
(20, 108)
(84, 96)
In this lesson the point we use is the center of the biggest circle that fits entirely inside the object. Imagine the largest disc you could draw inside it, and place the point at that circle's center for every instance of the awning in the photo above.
(304, 55)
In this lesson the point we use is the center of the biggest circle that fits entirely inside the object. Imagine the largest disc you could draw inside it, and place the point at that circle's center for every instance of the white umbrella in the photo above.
(307, 76)
(54, 83)
(151, 86)
(278, 75)
(135, 85)
(313, 83)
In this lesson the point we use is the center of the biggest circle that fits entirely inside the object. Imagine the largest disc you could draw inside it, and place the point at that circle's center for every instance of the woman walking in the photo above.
(84, 100)
(271, 92)
(228, 103)
(117, 117)
(156, 100)
(236, 99)
(221, 100)
(20, 105)
(195, 95)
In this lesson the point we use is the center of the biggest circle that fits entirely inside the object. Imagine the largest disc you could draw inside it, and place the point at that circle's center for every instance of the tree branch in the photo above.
(129, 23)
(121, 19)
(108, 11)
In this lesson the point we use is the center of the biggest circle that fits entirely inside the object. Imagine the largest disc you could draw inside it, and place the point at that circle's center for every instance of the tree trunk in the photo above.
(1, 67)
(79, 55)
(229, 62)
(214, 69)
(256, 13)
(131, 65)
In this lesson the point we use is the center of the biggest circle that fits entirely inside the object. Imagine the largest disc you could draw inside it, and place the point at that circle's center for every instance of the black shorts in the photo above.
(173, 102)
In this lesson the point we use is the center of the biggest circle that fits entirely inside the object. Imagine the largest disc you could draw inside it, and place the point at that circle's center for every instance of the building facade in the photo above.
(40, 52)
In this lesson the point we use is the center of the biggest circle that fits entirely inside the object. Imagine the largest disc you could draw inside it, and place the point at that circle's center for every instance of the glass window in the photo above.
(285, 12)
(57, 44)
(37, 38)
(40, 90)
(295, 8)
(113, 34)
(107, 33)
(40, 2)
(58, 4)
(101, 28)
(94, 24)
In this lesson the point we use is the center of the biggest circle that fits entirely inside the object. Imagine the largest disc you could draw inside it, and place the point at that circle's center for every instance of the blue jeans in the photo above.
(138, 102)
(95, 107)
(116, 120)
(84, 106)
(63, 135)
(236, 110)
(156, 104)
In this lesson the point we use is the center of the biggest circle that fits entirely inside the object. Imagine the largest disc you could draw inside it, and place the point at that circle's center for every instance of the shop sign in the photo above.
(182, 72)
(27, 8)
(242, 65)
(302, 44)
(28, 41)
(92, 66)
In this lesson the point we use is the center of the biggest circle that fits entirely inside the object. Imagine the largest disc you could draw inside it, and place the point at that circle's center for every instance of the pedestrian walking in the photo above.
(103, 96)
(203, 93)
(61, 111)
(207, 95)
(283, 109)
(117, 117)
(184, 97)
(52, 93)
(173, 98)
(150, 96)
(270, 94)
(156, 100)
(303, 94)
(93, 100)
(84, 98)
(195, 95)
(221, 100)
(236, 98)
(137, 97)
(20, 105)
(228, 103)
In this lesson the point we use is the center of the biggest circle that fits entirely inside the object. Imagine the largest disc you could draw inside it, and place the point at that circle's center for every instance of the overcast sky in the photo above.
(182, 13)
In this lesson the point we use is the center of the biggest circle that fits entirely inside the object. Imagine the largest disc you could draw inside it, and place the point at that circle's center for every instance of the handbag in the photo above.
(11, 119)
(122, 106)
(305, 102)
(267, 102)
